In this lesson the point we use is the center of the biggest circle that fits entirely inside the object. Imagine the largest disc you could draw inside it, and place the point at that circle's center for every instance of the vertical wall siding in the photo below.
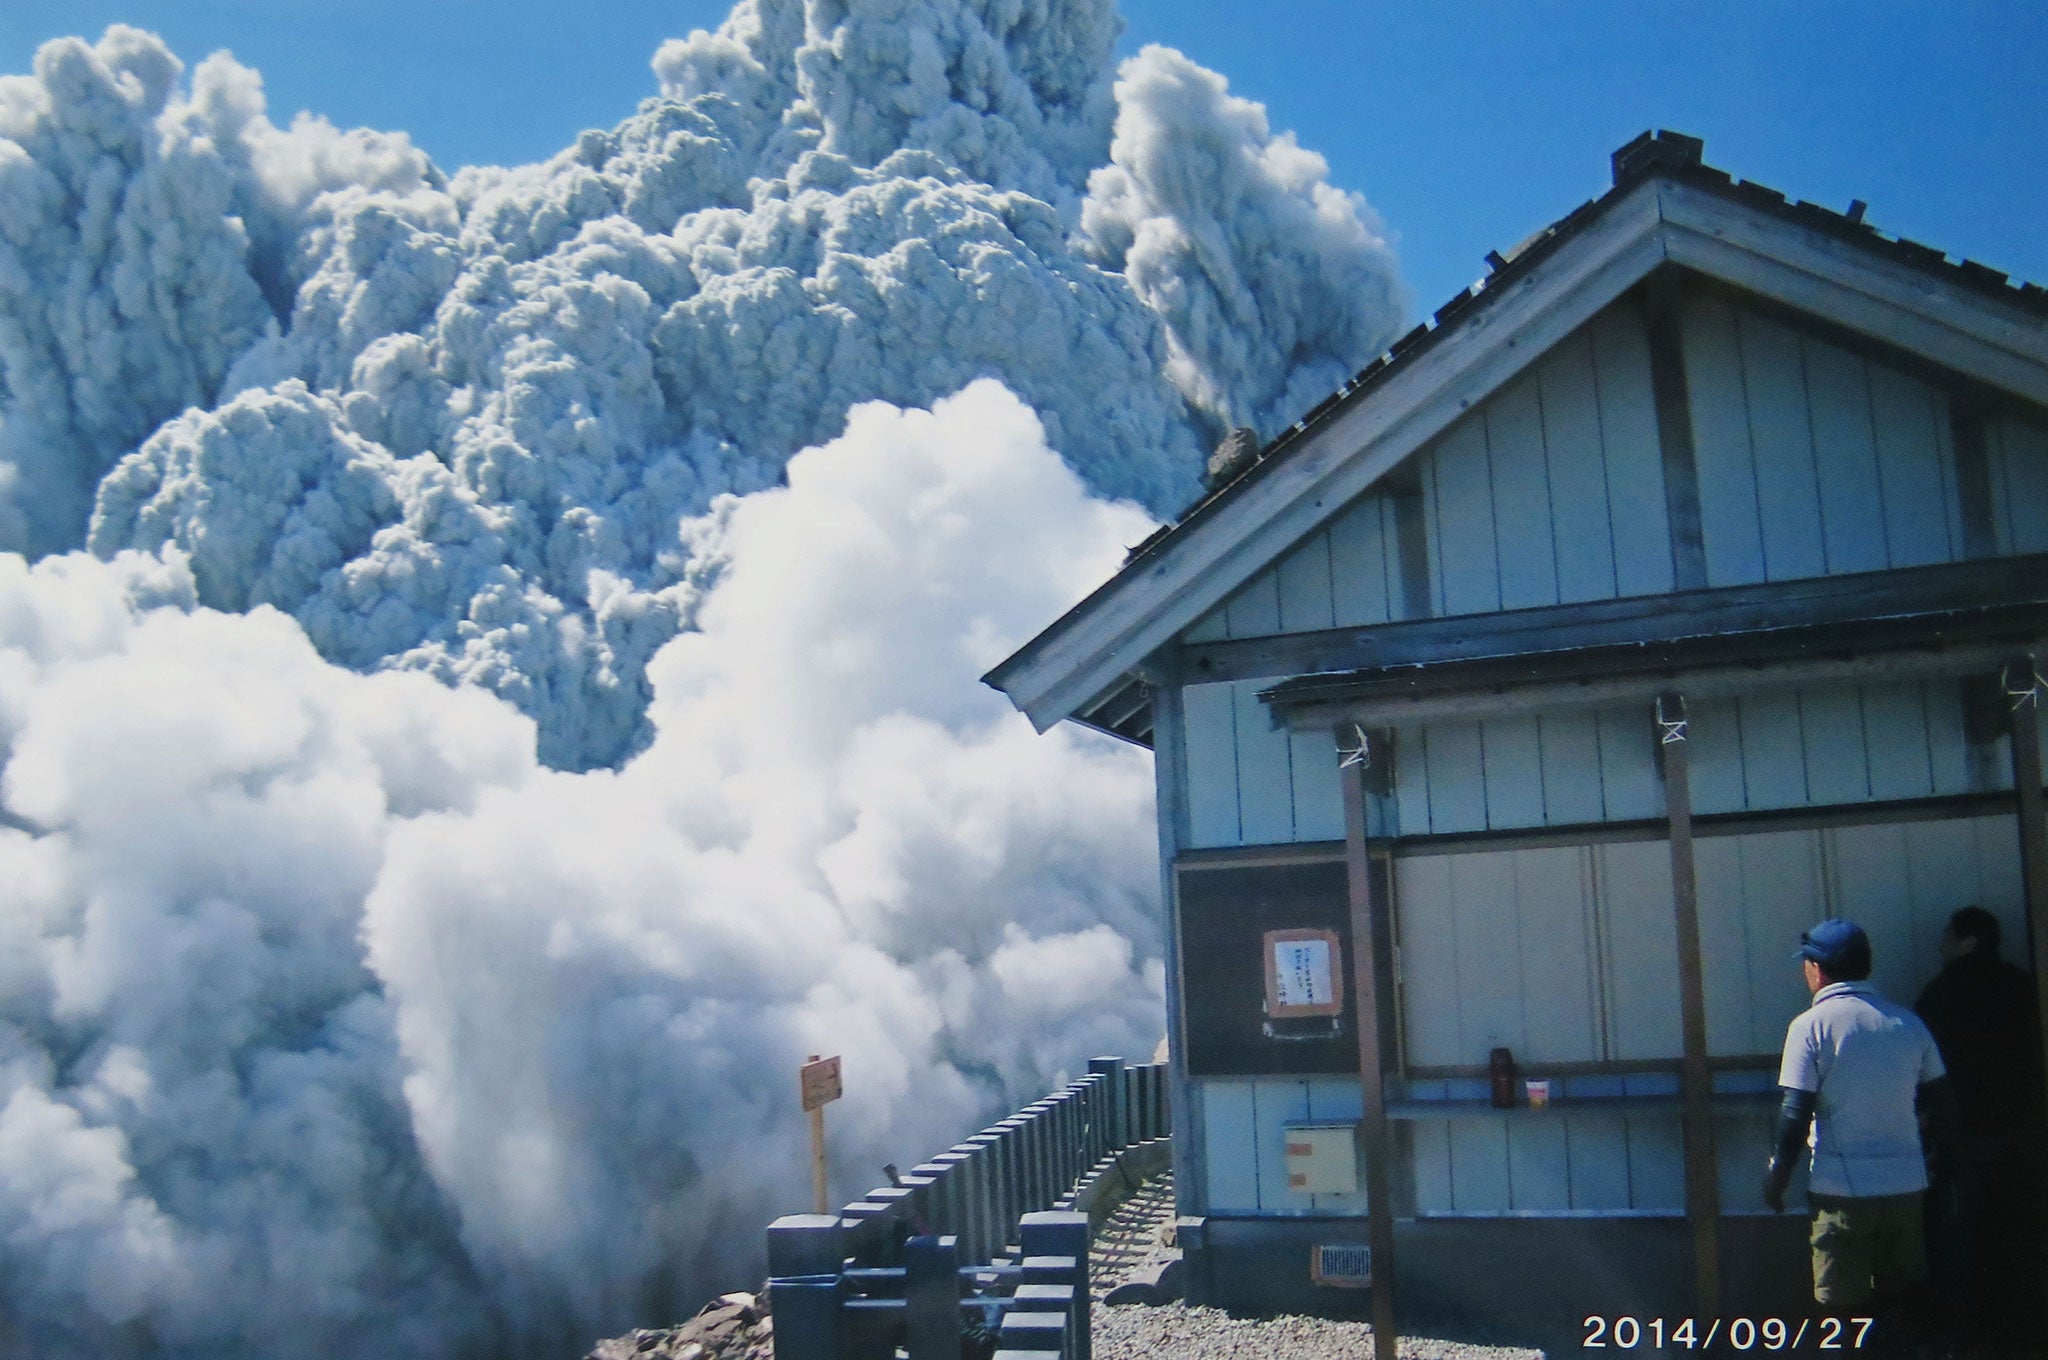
(2018, 454)
(1549, 492)
(1777, 749)
(1250, 783)
(1568, 1161)
(1563, 954)
(1812, 460)
(1249, 1118)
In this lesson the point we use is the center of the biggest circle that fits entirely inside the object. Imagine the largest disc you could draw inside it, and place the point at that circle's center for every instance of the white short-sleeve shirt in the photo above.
(1864, 1057)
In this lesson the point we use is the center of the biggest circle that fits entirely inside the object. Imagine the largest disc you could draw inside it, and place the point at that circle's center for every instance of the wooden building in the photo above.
(1677, 586)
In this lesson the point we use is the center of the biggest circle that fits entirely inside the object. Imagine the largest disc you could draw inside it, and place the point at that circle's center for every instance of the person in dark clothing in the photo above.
(1988, 1198)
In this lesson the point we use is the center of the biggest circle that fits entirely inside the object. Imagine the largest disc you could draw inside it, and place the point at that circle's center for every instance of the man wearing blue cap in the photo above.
(1859, 1068)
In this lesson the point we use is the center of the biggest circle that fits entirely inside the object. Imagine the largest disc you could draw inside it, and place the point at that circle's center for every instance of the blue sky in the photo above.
(1466, 125)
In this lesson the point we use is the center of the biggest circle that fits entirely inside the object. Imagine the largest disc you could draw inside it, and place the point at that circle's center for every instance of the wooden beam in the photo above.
(1365, 990)
(2023, 687)
(1630, 620)
(1696, 1078)
(1661, 303)
(1388, 706)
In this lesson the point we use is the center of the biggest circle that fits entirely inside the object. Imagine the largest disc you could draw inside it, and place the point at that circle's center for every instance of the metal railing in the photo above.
(970, 1241)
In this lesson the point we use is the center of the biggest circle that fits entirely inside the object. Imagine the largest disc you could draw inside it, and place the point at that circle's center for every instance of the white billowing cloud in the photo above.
(332, 1023)
(1271, 282)
(537, 371)
(124, 294)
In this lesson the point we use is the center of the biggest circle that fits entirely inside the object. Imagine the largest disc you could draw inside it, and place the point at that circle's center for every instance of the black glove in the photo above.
(1777, 1175)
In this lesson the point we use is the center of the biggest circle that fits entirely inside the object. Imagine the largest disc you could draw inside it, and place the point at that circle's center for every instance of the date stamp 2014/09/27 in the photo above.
(1739, 1334)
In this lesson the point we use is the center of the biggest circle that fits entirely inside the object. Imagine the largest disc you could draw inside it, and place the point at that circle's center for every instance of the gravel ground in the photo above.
(1137, 1233)
(1139, 1333)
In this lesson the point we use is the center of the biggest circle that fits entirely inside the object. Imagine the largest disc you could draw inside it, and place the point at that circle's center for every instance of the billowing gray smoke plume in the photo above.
(340, 1015)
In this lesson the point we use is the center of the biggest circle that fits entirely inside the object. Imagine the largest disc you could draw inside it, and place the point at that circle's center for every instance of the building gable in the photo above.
(1548, 352)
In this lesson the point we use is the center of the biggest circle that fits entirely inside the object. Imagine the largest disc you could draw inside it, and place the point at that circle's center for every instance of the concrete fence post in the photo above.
(805, 1255)
(1114, 1133)
(931, 1297)
(1062, 1233)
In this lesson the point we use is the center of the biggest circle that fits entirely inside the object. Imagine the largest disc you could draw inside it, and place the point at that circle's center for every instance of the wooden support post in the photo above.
(2023, 689)
(1696, 1080)
(1353, 755)
(819, 1197)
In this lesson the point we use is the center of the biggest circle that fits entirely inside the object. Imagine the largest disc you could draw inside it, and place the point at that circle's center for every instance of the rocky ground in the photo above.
(731, 1327)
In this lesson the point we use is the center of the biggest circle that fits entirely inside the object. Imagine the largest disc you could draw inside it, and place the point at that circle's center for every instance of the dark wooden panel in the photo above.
(1225, 913)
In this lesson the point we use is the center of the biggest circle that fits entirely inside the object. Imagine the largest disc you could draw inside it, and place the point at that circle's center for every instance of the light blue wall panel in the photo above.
(1281, 1101)
(1714, 756)
(1454, 762)
(1303, 578)
(1213, 626)
(1656, 1165)
(1742, 1143)
(1582, 524)
(1479, 1166)
(1411, 781)
(1724, 944)
(1729, 521)
(1211, 766)
(1539, 1164)
(1871, 883)
(1254, 611)
(1836, 752)
(1230, 1134)
(2018, 452)
(1426, 919)
(1911, 423)
(1781, 441)
(1570, 752)
(1513, 754)
(1498, 949)
(1364, 570)
(1318, 798)
(1526, 550)
(1948, 753)
(1430, 1141)
(1757, 892)
(1895, 721)
(1634, 455)
(1559, 969)
(1265, 777)
(1457, 481)
(1640, 949)
(1630, 786)
(1490, 1013)
(1598, 1150)
(1845, 455)
(1773, 751)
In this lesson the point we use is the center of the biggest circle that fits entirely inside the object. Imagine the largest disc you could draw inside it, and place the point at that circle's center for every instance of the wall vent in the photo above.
(1346, 1265)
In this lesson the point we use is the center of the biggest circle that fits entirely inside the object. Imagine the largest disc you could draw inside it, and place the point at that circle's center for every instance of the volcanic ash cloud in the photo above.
(449, 422)
(332, 1023)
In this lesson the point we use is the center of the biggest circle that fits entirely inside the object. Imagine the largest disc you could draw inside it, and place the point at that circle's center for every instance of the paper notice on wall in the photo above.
(1302, 973)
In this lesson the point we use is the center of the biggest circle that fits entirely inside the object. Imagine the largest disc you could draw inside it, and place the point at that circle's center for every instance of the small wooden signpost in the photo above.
(818, 1079)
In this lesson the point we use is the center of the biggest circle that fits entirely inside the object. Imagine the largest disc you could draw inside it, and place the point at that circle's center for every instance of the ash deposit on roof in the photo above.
(487, 664)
